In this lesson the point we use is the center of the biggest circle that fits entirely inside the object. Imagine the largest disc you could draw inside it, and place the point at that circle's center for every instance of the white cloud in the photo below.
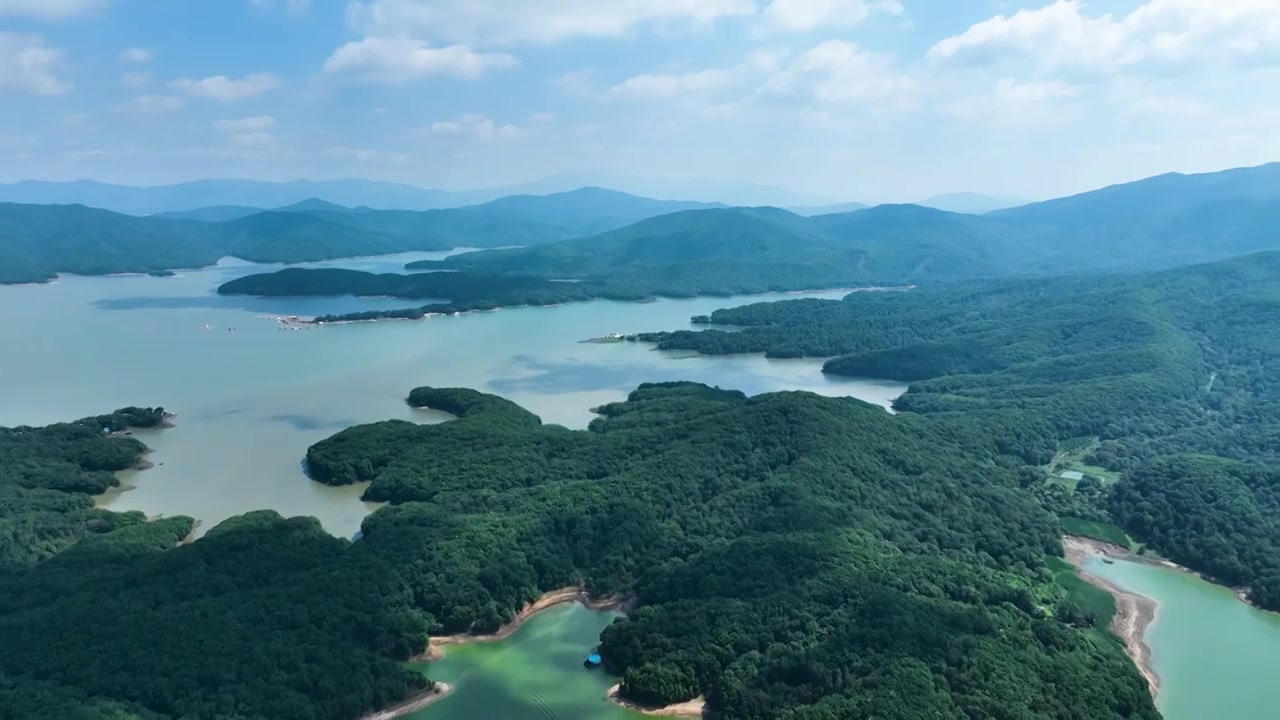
(808, 15)
(135, 80)
(252, 140)
(27, 64)
(662, 87)
(837, 71)
(261, 123)
(1011, 102)
(78, 155)
(48, 9)
(1064, 36)
(496, 22)
(477, 125)
(365, 154)
(400, 59)
(151, 104)
(135, 55)
(225, 89)
(580, 83)
(701, 83)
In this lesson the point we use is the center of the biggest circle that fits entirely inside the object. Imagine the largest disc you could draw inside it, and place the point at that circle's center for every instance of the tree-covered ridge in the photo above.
(1181, 361)
(768, 541)
(48, 475)
(103, 618)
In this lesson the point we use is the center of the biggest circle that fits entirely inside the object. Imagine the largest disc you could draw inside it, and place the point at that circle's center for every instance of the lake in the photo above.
(1214, 654)
(250, 400)
(536, 674)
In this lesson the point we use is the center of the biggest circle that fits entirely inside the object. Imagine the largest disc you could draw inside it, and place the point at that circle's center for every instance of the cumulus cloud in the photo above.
(808, 15)
(365, 154)
(224, 89)
(1064, 35)
(135, 55)
(48, 9)
(400, 59)
(252, 140)
(837, 71)
(261, 123)
(151, 104)
(135, 80)
(477, 125)
(28, 64)
(700, 83)
(1010, 101)
(496, 22)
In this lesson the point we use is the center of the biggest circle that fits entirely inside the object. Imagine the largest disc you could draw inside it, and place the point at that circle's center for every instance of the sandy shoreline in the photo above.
(1134, 613)
(694, 708)
(436, 645)
(412, 705)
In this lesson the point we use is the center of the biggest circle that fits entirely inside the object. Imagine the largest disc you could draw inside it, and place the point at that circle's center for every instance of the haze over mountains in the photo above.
(219, 200)
(1158, 222)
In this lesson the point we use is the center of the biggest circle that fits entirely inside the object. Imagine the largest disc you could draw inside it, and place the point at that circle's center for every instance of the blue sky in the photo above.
(874, 100)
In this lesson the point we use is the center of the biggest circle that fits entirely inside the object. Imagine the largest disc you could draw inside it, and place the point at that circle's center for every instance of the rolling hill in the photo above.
(39, 241)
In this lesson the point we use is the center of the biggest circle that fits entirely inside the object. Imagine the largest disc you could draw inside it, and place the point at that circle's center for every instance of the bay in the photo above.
(251, 398)
(535, 674)
(1213, 653)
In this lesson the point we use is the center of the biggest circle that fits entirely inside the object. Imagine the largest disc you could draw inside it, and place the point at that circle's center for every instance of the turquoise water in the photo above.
(1214, 654)
(536, 674)
(251, 400)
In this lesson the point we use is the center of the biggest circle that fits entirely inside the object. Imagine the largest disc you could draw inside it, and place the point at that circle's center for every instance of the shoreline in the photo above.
(411, 705)
(694, 708)
(1135, 613)
(562, 596)
(458, 313)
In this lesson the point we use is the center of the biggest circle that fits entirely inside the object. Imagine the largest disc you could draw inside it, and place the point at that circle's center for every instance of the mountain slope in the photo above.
(213, 213)
(970, 203)
(586, 211)
(38, 241)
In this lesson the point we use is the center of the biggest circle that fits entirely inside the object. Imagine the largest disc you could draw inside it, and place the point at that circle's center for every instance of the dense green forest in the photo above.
(884, 558)
(886, 562)
(104, 617)
(1154, 366)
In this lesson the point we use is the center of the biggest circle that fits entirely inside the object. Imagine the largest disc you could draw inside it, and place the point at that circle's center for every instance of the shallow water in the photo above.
(1216, 656)
(536, 674)
(251, 400)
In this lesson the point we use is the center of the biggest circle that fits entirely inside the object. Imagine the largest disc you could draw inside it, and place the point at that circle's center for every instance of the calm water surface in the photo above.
(1216, 656)
(536, 674)
(251, 400)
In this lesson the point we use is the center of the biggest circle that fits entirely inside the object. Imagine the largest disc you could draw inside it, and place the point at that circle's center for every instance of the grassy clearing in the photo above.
(1096, 601)
(1105, 532)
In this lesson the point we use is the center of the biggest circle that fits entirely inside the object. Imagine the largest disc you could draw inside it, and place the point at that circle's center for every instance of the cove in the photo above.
(251, 398)
(535, 674)
(1216, 656)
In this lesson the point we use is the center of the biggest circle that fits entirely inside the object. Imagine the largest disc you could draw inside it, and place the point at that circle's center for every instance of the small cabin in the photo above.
(593, 661)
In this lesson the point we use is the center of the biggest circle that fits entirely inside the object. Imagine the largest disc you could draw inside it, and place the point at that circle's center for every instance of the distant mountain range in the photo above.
(39, 241)
(209, 197)
(219, 200)
(603, 234)
(1157, 223)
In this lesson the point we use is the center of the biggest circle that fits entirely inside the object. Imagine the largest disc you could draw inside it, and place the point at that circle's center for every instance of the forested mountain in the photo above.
(1153, 366)
(214, 213)
(1196, 219)
(586, 211)
(883, 556)
(971, 203)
